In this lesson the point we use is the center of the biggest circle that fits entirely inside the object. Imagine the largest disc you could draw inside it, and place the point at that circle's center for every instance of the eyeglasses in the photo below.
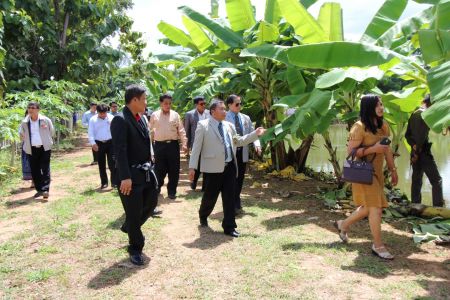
(238, 103)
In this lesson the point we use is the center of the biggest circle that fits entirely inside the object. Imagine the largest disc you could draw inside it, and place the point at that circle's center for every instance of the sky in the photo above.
(148, 13)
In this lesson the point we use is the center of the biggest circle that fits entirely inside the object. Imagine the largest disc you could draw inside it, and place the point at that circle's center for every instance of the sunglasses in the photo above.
(202, 104)
(238, 103)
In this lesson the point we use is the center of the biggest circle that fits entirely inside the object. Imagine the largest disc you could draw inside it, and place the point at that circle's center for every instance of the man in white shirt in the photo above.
(85, 122)
(36, 133)
(99, 134)
(243, 126)
(191, 119)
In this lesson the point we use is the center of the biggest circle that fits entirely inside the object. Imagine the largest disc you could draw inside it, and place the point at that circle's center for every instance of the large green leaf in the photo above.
(272, 14)
(267, 32)
(338, 54)
(307, 3)
(438, 115)
(435, 44)
(405, 28)
(240, 14)
(385, 18)
(223, 33)
(274, 52)
(442, 15)
(330, 19)
(337, 76)
(200, 39)
(302, 21)
(295, 79)
(175, 34)
(218, 77)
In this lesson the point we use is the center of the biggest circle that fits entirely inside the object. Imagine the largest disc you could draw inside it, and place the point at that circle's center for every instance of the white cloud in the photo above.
(148, 13)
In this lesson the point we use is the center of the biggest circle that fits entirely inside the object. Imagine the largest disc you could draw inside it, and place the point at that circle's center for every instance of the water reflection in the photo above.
(318, 160)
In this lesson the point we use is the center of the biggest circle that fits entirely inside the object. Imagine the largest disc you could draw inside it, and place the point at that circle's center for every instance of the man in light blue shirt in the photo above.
(243, 126)
(85, 122)
(99, 134)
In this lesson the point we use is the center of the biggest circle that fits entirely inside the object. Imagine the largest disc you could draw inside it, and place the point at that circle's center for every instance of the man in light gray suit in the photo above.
(191, 119)
(215, 146)
(243, 126)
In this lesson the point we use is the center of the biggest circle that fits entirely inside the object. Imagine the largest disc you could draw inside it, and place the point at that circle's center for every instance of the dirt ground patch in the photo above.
(71, 247)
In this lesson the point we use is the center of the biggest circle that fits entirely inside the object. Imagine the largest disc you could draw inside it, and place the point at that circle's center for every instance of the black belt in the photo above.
(167, 142)
(38, 146)
(148, 168)
(104, 142)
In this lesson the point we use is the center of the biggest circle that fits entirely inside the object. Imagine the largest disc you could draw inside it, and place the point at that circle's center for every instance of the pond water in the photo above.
(318, 160)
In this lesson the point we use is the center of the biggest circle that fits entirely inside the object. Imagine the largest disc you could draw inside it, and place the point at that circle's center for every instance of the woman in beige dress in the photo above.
(365, 136)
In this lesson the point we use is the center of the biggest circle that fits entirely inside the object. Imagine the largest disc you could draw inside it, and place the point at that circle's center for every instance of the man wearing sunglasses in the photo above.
(191, 119)
(114, 109)
(243, 126)
(36, 133)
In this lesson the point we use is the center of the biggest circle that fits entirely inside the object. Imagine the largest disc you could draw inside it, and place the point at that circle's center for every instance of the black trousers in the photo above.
(197, 176)
(138, 207)
(40, 168)
(94, 156)
(242, 167)
(167, 162)
(224, 183)
(105, 153)
(426, 164)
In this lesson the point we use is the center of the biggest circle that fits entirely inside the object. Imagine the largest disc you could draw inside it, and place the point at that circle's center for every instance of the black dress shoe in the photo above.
(104, 186)
(193, 186)
(123, 228)
(238, 211)
(156, 212)
(45, 194)
(137, 259)
(38, 194)
(172, 197)
(233, 233)
(204, 222)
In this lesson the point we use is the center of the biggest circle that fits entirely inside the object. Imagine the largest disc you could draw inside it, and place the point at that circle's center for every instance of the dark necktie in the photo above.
(223, 138)
(238, 125)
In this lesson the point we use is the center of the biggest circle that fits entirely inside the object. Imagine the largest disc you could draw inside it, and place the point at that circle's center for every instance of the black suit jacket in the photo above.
(131, 146)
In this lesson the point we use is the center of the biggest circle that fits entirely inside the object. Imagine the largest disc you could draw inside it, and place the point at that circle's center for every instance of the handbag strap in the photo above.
(353, 154)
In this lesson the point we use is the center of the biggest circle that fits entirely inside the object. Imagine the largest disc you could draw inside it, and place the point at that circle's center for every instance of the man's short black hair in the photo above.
(132, 91)
(197, 99)
(101, 108)
(165, 96)
(427, 100)
(232, 98)
(92, 104)
(214, 104)
(113, 102)
(32, 103)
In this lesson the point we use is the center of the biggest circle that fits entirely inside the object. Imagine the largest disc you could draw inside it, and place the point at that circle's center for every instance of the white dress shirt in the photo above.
(99, 129)
(35, 134)
(202, 116)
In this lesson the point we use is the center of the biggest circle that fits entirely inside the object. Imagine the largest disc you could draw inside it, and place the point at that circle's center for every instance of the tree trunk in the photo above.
(333, 157)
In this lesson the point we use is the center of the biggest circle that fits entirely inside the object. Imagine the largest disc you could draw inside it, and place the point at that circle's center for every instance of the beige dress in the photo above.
(364, 194)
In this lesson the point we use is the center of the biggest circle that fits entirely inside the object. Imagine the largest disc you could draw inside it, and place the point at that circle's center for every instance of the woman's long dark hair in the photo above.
(368, 114)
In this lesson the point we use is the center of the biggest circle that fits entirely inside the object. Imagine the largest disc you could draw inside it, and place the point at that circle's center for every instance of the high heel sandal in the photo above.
(342, 234)
(382, 254)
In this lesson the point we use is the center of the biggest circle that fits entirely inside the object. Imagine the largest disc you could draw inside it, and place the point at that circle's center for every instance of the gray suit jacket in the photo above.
(190, 125)
(247, 127)
(208, 146)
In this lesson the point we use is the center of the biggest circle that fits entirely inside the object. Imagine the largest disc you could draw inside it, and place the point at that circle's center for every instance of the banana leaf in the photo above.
(198, 36)
(437, 116)
(304, 24)
(223, 33)
(272, 13)
(240, 14)
(386, 17)
(330, 19)
(337, 76)
(175, 34)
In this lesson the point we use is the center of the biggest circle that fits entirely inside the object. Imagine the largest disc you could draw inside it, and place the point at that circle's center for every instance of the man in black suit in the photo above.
(134, 162)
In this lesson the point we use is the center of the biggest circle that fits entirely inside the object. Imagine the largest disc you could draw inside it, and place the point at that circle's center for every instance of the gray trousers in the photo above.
(426, 164)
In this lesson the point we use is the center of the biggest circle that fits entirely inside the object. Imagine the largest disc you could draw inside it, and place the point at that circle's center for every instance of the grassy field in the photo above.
(71, 247)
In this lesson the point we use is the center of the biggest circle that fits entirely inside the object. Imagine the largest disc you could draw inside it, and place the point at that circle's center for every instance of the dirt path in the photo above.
(70, 247)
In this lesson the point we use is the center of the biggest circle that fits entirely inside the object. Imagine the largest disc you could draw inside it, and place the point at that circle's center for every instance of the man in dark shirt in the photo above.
(422, 160)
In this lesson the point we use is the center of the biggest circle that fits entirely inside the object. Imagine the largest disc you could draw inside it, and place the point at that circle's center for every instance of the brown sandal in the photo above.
(342, 234)
(384, 254)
